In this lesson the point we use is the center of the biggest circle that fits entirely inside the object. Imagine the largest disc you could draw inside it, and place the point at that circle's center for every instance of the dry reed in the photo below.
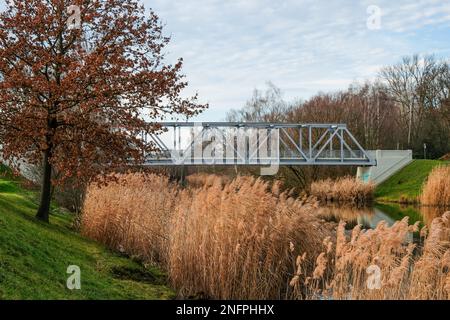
(436, 189)
(406, 271)
(217, 239)
(429, 213)
(346, 189)
(236, 241)
(131, 215)
(203, 179)
(244, 239)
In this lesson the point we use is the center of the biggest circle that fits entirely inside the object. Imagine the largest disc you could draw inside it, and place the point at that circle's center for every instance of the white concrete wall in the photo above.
(388, 163)
(25, 169)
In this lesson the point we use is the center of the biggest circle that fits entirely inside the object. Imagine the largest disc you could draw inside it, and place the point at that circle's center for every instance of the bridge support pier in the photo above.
(388, 163)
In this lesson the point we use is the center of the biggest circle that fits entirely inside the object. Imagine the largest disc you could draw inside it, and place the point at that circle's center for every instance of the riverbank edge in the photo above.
(404, 187)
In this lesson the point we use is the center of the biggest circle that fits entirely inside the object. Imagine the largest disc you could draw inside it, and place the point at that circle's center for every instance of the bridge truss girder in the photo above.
(237, 143)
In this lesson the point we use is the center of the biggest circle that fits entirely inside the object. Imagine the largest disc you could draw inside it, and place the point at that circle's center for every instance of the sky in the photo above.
(231, 47)
(302, 46)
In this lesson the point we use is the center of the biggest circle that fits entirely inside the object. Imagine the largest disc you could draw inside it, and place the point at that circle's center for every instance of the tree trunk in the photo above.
(410, 126)
(46, 195)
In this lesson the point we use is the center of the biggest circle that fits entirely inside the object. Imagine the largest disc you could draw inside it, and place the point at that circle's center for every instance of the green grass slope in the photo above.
(406, 185)
(34, 257)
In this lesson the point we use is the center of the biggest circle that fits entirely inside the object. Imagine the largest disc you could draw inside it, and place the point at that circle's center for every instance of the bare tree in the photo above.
(263, 106)
(418, 85)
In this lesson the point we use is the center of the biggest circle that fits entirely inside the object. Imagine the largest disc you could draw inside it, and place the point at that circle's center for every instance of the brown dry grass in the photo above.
(217, 239)
(132, 215)
(436, 189)
(429, 213)
(407, 271)
(198, 180)
(235, 242)
(244, 239)
(346, 189)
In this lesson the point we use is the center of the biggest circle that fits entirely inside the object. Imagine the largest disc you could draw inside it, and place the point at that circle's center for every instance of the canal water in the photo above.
(369, 217)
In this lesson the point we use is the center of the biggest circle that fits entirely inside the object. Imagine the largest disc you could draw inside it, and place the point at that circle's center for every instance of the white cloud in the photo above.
(230, 47)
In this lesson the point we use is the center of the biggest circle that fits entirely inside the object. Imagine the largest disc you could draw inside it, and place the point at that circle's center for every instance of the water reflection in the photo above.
(351, 215)
(369, 217)
(430, 213)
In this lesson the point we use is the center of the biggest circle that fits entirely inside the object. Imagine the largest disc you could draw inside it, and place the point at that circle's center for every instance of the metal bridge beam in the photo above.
(255, 143)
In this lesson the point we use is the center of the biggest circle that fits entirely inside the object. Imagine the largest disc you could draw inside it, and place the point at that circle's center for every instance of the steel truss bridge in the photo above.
(248, 143)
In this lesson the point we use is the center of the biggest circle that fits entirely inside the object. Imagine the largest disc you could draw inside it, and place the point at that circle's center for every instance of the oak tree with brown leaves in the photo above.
(79, 81)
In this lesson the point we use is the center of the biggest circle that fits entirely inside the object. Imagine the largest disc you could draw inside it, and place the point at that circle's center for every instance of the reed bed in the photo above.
(348, 269)
(236, 241)
(199, 180)
(245, 239)
(429, 213)
(220, 240)
(346, 189)
(132, 215)
(436, 189)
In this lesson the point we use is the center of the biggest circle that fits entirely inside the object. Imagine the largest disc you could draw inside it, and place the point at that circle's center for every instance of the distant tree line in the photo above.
(407, 106)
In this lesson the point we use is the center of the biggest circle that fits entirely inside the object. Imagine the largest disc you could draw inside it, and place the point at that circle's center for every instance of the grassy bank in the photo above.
(34, 257)
(398, 212)
(405, 186)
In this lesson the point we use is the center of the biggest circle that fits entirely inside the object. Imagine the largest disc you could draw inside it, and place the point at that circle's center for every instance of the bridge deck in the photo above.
(248, 143)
